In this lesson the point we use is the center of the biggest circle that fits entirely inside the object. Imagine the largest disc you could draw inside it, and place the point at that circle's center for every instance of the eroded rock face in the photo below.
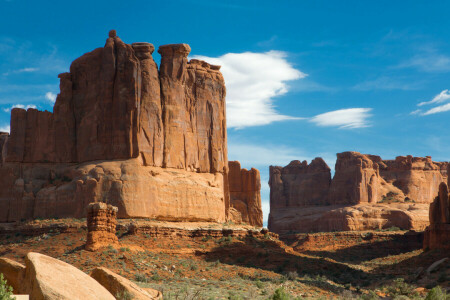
(64, 190)
(437, 235)
(101, 224)
(365, 181)
(299, 184)
(115, 118)
(245, 194)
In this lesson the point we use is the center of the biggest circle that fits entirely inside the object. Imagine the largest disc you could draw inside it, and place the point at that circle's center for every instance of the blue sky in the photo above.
(304, 78)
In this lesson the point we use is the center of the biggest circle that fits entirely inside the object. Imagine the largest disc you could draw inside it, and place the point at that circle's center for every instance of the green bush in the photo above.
(5, 289)
(280, 294)
(140, 277)
(400, 288)
(437, 293)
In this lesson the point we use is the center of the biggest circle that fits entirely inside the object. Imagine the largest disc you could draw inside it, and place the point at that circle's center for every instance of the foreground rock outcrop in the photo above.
(12, 272)
(366, 192)
(151, 142)
(437, 234)
(118, 285)
(245, 194)
(48, 278)
(101, 225)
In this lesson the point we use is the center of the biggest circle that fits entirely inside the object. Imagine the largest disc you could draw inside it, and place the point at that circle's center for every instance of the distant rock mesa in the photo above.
(366, 192)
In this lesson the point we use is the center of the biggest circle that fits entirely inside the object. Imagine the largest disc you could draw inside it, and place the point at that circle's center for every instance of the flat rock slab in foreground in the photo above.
(49, 278)
(117, 284)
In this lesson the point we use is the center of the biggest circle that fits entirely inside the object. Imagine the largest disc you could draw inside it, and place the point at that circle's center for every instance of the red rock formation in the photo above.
(160, 135)
(299, 184)
(3, 139)
(245, 194)
(114, 105)
(365, 193)
(437, 235)
(101, 224)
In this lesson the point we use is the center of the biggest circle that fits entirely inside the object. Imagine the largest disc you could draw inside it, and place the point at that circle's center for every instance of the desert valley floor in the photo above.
(227, 261)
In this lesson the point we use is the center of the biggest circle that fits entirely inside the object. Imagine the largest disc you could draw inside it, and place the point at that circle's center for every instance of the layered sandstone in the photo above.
(366, 192)
(437, 234)
(245, 194)
(151, 142)
(101, 225)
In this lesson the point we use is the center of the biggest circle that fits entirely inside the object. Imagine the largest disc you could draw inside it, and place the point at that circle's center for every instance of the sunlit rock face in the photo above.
(366, 192)
(151, 142)
(245, 195)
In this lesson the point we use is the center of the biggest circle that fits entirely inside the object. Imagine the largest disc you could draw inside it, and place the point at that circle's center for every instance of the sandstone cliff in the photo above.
(151, 142)
(245, 194)
(437, 235)
(366, 192)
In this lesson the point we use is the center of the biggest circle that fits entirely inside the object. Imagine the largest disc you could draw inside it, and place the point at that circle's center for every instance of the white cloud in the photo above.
(253, 80)
(255, 155)
(23, 70)
(344, 118)
(429, 62)
(442, 97)
(437, 109)
(5, 128)
(50, 97)
(19, 106)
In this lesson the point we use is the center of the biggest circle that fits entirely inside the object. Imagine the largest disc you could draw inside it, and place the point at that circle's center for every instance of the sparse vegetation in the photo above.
(5, 289)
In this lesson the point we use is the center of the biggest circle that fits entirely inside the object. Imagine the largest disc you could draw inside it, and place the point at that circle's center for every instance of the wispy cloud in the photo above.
(5, 128)
(253, 81)
(50, 97)
(387, 83)
(442, 97)
(257, 155)
(437, 109)
(23, 70)
(7, 110)
(349, 118)
(429, 59)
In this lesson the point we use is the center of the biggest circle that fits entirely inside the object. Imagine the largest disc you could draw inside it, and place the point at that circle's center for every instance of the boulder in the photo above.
(117, 284)
(13, 272)
(49, 278)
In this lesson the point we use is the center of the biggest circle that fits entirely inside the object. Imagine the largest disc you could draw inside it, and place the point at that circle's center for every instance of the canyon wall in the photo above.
(245, 195)
(366, 192)
(437, 234)
(151, 142)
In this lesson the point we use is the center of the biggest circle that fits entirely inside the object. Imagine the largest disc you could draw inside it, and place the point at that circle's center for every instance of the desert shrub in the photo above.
(140, 277)
(292, 275)
(280, 294)
(400, 288)
(437, 293)
(5, 289)
(370, 296)
(124, 295)
(259, 284)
